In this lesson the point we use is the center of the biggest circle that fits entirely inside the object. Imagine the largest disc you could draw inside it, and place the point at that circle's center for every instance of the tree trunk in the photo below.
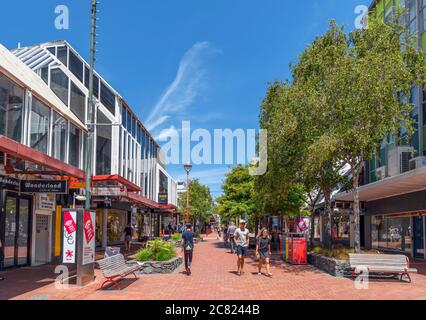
(312, 233)
(327, 241)
(357, 242)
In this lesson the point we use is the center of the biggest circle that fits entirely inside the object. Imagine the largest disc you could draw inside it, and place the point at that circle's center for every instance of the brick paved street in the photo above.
(214, 277)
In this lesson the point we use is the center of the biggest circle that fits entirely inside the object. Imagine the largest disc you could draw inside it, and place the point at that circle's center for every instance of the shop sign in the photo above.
(163, 198)
(9, 183)
(44, 186)
(70, 237)
(109, 191)
(46, 202)
(89, 242)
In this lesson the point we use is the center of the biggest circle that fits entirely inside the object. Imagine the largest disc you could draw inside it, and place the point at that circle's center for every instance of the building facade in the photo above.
(394, 182)
(43, 131)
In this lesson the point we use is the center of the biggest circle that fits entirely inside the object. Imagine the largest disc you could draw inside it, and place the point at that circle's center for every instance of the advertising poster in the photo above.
(70, 237)
(89, 243)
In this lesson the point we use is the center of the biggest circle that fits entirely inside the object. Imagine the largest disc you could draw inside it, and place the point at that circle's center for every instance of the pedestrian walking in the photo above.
(231, 234)
(225, 235)
(128, 232)
(263, 251)
(241, 240)
(188, 247)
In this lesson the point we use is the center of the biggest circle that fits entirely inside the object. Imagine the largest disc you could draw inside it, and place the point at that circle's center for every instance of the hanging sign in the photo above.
(163, 198)
(70, 237)
(44, 186)
(89, 242)
(9, 183)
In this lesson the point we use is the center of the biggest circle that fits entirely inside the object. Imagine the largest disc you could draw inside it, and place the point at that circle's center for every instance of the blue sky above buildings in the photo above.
(206, 61)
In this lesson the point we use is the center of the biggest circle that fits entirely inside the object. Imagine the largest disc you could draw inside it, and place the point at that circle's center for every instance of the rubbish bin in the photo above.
(297, 249)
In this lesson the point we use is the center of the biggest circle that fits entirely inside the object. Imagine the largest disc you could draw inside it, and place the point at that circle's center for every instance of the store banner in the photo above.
(44, 186)
(163, 198)
(89, 243)
(9, 183)
(70, 237)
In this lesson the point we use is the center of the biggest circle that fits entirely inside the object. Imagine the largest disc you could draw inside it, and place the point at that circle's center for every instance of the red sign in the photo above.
(89, 230)
(69, 223)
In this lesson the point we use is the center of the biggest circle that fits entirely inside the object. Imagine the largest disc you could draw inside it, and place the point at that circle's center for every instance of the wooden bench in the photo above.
(398, 265)
(116, 267)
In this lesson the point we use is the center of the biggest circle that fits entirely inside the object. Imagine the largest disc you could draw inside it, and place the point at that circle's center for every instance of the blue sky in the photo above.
(207, 61)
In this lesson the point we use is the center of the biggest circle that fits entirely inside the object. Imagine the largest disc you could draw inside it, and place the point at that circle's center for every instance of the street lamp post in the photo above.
(188, 168)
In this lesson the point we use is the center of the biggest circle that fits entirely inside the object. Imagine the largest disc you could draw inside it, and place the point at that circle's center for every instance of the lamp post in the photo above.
(188, 168)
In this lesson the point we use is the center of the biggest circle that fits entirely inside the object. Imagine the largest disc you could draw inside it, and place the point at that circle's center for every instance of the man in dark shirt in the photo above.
(188, 247)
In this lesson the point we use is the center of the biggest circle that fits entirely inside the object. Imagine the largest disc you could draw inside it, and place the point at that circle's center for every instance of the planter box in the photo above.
(334, 267)
(157, 267)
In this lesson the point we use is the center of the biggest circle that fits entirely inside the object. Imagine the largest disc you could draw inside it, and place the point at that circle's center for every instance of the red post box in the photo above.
(297, 253)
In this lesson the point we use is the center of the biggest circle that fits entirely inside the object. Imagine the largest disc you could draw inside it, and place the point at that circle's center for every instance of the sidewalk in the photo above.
(214, 277)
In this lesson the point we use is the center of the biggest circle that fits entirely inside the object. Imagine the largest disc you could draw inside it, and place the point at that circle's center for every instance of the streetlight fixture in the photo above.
(188, 167)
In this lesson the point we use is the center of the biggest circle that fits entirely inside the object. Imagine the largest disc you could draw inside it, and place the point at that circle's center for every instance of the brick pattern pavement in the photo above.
(214, 278)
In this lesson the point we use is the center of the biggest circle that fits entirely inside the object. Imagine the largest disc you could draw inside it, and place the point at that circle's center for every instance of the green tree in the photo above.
(238, 198)
(200, 202)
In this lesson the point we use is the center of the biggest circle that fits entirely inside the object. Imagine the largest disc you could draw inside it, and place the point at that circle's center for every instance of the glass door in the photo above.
(17, 226)
(11, 213)
(418, 234)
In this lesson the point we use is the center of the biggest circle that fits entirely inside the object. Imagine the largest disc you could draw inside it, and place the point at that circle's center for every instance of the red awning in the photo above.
(138, 199)
(116, 178)
(20, 151)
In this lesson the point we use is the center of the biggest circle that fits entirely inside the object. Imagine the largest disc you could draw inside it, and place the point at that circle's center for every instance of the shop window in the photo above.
(317, 228)
(115, 225)
(340, 227)
(59, 83)
(78, 103)
(11, 104)
(391, 233)
(59, 137)
(40, 123)
(108, 98)
(74, 146)
(62, 55)
(76, 66)
(103, 145)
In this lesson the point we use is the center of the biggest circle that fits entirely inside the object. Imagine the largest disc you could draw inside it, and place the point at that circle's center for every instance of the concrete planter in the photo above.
(334, 267)
(160, 267)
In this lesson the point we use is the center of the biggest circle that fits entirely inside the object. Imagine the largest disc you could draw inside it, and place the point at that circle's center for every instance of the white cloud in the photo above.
(186, 87)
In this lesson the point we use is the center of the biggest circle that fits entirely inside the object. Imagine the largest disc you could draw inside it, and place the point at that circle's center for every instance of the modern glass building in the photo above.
(43, 131)
(394, 182)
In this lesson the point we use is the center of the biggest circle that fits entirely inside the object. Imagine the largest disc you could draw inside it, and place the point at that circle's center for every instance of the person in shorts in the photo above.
(241, 240)
(263, 251)
(128, 231)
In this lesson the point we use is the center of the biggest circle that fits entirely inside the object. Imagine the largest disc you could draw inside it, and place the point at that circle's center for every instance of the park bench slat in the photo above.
(381, 263)
(116, 266)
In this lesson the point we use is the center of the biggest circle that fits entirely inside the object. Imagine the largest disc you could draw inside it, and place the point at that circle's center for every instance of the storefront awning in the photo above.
(408, 182)
(138, 199)
(119, 179)
(20, 151)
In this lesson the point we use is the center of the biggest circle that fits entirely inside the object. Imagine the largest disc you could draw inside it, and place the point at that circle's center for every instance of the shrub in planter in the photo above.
(176, 236)
(157, 250)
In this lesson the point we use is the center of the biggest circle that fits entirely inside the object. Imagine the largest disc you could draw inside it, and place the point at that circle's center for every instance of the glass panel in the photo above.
(340, 227)
(78, 103)
(76, 66)
(99, 229)
(10, 233)
(45, 74)
(129, 122)
(103, 145)
(59, 84)
(59, 142)
(123, 116)
(108, 98)
(74, 146)
(23, 231)
(63, 55)
(391, 233)
(116, 224)
(11, 104)
(40, 123)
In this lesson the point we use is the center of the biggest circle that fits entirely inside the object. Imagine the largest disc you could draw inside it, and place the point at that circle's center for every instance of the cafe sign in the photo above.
(9, 183)
(44, 186)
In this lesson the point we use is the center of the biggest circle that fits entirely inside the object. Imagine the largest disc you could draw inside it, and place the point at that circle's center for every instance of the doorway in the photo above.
(17, 231)
(42, 235)
(418, 237)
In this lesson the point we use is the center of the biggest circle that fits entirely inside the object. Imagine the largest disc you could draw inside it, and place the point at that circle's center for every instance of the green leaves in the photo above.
(201, 202)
